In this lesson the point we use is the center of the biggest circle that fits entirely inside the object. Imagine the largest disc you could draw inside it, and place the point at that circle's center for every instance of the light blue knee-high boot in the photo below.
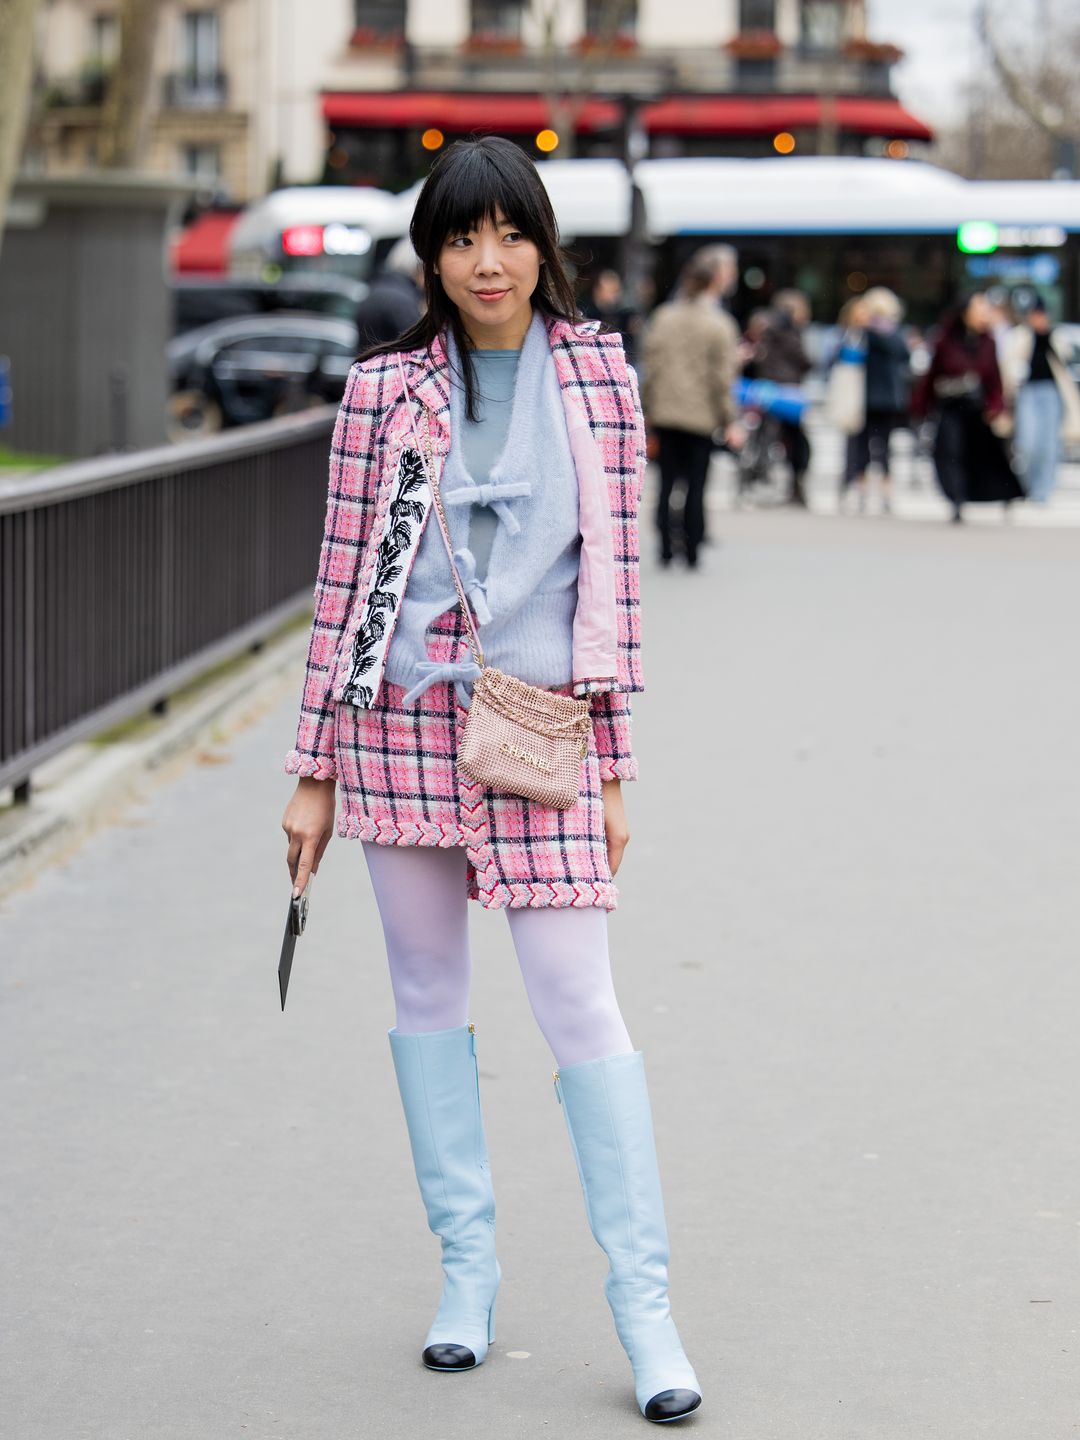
(440, 1093)
(606, 1104)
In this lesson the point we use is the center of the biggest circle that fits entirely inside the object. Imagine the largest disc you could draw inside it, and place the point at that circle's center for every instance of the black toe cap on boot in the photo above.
(459, 1357)
(672, 1404)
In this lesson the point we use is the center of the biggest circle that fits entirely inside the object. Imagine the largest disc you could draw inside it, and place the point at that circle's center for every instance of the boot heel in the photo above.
(491, 1324)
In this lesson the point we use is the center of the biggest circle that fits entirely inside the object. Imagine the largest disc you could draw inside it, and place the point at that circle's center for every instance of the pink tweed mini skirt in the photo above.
(399, 784)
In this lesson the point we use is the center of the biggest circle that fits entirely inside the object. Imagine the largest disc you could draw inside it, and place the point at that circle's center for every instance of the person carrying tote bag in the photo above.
(845, 389)
(527, 425)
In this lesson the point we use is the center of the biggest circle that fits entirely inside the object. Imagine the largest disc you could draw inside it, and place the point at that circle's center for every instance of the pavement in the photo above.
(846, 942)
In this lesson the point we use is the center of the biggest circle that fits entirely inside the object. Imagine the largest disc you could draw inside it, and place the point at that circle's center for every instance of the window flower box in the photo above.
(755, 45)
(622, 43)
(384, 42)
(491, 42)
(873, 53)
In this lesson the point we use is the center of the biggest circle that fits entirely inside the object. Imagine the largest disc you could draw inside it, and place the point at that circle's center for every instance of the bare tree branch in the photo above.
(1018, 88)
(121, 133)
(568, 88)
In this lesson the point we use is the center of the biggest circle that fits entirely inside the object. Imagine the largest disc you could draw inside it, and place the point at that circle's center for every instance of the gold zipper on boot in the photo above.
(555, 1079)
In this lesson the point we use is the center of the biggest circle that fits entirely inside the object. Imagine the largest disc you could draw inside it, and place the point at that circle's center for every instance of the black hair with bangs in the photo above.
(473, 181)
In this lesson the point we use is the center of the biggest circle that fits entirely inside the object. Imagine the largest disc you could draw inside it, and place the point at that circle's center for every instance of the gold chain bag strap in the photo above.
(518, 738)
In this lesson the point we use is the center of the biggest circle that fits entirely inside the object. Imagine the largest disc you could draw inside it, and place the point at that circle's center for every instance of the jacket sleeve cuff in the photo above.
(624, 769)
(611, 730)
(319, 767)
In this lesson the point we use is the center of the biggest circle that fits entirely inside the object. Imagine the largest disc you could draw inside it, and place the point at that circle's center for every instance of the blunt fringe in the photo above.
(470, 182)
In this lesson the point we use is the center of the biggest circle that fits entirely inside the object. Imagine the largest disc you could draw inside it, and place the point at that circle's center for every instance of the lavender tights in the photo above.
(563, 954)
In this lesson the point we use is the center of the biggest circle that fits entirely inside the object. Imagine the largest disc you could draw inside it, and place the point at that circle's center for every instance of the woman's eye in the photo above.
(459, 240)
(513, 235)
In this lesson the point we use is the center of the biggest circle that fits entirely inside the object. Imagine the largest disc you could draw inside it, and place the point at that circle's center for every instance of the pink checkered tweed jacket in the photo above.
(372, 438)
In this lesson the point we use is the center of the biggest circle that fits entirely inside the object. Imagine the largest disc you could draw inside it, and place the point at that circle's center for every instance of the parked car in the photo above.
(200, 300)
(239, 371)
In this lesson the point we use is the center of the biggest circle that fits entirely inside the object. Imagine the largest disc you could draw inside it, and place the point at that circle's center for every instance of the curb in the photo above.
(86, 787)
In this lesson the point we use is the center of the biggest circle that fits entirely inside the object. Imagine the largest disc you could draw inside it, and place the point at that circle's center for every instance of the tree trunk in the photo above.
(16, 75)
(122, 131)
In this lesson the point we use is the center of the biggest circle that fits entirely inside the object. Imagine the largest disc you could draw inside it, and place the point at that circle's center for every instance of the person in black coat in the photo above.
(888, 391)
(606, 302)
(963, 388)
(780, 356)
(394, 303)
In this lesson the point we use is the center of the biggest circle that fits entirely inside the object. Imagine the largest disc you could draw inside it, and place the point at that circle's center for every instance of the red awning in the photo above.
(769, 114)
(679, 115)
(203, 248)
(442, 110)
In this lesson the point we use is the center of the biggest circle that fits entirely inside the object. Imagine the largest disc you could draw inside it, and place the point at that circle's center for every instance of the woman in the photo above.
(1044, 397)
(888, 391)
(689, 354)
(963, 385)
(537, 445)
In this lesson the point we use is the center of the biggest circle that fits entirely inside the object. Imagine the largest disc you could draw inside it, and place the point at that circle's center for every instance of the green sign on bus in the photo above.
(977, 237)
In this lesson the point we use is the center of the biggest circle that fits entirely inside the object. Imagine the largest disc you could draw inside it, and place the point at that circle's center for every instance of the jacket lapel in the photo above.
(428, 375)
(596, 623)
(401, 511)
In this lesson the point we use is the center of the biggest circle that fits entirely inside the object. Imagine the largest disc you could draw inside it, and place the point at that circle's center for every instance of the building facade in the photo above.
(233, 96)
(248, 95)
(624, 78)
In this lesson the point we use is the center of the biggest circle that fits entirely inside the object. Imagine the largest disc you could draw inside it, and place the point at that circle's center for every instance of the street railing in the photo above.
(123, 577)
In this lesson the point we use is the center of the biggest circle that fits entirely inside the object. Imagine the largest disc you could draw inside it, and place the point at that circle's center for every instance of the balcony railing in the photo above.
(85, 91)
(648, 70)
(197, 90)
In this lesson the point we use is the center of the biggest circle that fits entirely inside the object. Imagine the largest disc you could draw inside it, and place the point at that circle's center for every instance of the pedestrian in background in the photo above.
(1044, 397)
(395, 301)
(726, 260)
(963, 388)
(781, 357)
(1002, 318)
(888, 391)
(844, 362)
(504, 430)
(607, 303)
(689, 360)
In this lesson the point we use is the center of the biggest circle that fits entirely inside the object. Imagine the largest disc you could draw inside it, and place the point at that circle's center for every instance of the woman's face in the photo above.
(490, 274)
(978, 314)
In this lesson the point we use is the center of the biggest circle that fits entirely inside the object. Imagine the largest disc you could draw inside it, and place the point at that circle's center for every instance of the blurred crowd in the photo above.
(987, 392)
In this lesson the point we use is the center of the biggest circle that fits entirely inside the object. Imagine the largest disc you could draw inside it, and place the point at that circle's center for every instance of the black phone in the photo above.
(295, 920)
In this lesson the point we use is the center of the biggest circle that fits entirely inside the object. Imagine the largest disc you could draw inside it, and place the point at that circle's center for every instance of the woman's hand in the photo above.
(309, 823)
(615, 828)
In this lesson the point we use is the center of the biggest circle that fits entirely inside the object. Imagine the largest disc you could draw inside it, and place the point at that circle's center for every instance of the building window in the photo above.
(104, 39)
(500, 18)
(199, 83)
(757, 15)
(201, 162)
(821, 24)
(381, 18)
(200, 44)
(611, 17)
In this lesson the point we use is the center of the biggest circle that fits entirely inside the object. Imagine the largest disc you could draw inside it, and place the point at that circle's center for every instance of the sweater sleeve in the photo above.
(611, 729)
(348, 518)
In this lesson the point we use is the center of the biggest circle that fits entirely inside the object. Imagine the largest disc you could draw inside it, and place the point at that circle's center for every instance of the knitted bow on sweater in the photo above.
(458, 672)
(494, 494)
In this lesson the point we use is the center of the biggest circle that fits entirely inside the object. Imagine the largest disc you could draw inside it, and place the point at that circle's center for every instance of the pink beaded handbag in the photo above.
(518, 738)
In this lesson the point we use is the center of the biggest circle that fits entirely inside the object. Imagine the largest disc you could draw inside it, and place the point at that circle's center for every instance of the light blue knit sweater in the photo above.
(525, 607)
